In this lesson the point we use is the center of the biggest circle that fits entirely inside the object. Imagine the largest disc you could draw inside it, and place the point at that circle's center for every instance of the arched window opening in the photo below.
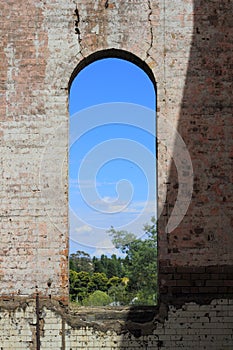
(112, 185)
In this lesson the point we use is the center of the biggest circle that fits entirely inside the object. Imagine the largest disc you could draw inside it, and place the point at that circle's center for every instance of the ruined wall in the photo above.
(188, 47)
(196, 260)
(191, 327)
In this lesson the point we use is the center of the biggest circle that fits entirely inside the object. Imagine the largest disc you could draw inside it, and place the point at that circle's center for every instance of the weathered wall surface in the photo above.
(191, 327)
(203, 240)
(30, 242)
(188, 47)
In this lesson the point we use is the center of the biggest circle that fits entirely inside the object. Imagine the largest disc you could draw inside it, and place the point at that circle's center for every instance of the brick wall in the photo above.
(190, 327)
(200, 284)
(187, 47)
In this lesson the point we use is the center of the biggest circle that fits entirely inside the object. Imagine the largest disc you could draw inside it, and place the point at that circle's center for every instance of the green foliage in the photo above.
(72, 282)
(140, 262)
(98, 281)
(78, 284)
(97, 298)
(119, 295)
(121, 239)
(81, 261)
(128, 280)
(110, 266)
(114, 281)
(144, 297)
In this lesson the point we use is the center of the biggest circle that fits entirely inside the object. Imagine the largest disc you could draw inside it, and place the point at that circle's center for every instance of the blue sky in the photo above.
(111, 154)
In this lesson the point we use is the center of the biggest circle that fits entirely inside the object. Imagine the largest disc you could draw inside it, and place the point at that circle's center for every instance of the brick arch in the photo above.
(113, 53)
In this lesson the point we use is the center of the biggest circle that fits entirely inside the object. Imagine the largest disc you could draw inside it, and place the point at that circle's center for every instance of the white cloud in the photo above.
(108, 199)
(74, 183)
(84, 228)
(111, 205)
(82, 184)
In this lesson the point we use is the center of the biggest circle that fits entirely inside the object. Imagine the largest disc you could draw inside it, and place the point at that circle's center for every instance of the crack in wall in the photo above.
(63, 335)
(151, 30)
(37, 322)
(77, 30)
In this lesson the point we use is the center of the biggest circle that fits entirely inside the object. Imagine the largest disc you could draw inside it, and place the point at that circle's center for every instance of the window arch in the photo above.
(113, 53)
(110, 139)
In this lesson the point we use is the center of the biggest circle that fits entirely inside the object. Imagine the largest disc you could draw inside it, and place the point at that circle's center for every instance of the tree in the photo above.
(131, 279)
(98, 298)
(98, 281)
(73, 285)
(80, 261)
(117, 291)
(121, 239)
(114, 281)
(79, 285)
(112, 266)
(140, 262)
